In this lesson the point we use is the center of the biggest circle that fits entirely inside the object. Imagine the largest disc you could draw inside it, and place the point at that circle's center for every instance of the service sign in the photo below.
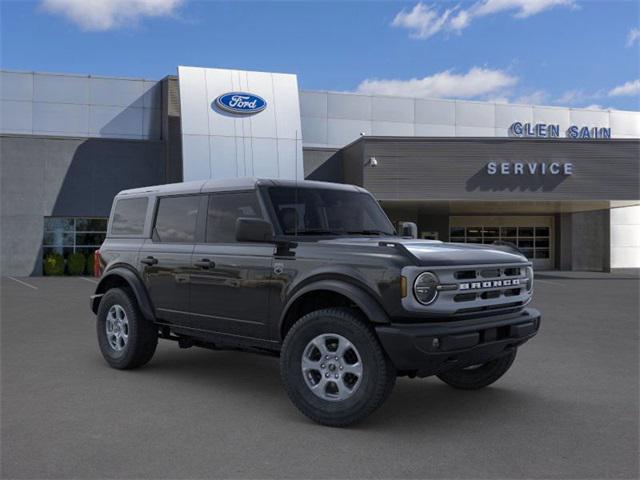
(240, 103)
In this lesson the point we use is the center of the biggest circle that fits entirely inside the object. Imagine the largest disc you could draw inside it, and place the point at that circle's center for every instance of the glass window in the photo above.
(525, 231)
(508, 231)
(542, 243)
(91, 224)
(129, 215)
(542, 231)
(224, 209)
(527, 252)
(59, 223)
(457, 232)
(58, 237)
(66, 235)
(525, 243)
(323, 211)
(176, 219)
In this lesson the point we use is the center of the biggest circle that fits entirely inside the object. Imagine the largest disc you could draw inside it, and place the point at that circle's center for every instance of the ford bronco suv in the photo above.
(315, 273)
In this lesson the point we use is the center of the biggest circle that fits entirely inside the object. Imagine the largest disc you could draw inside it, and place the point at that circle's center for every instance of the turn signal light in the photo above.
(403, 287)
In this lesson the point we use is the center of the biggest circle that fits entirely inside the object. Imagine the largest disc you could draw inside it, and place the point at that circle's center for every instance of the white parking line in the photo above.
(23, 283)
(88, 280)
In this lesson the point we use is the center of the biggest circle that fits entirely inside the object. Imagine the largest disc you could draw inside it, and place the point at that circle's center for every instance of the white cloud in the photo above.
(423, 21)
(633, 36)
(631, 87)
(100, 15)
(571, 97)
(538, 97)
(595, 106)
(524, 8)
(475, 83)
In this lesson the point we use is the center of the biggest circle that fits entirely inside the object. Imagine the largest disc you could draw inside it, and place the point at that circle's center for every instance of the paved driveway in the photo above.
(567, 409)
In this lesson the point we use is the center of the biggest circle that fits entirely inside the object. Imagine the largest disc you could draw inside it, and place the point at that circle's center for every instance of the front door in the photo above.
(166, 258)
(231, 281)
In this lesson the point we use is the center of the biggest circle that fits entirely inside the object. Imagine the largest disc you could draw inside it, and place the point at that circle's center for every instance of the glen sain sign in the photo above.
(545, 130)
(240, 103)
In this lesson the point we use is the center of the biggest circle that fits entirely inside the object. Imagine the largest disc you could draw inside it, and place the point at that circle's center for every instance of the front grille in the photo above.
(471, 291)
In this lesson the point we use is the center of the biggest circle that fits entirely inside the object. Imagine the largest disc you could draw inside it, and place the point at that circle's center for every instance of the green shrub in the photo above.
(53, 264)
(76, 263)
(89, 266)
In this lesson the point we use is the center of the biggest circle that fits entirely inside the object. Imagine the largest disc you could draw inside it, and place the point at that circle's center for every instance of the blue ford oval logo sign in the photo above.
(240, 103)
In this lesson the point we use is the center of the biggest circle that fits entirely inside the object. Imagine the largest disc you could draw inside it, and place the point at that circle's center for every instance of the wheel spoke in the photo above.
(348, 387)
(320, 386)
(308, 364)
(343, 347)
(321, 345)
(354, 369)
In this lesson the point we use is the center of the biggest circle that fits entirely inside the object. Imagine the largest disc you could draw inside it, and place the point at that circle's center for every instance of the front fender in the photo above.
(364, 301)
(114, 278)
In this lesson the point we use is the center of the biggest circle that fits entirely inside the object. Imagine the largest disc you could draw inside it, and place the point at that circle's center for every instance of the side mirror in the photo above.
(254, 230)
(409, 229)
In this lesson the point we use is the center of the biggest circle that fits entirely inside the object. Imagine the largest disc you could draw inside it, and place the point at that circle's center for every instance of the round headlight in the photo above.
(529, 273)
(425, 288)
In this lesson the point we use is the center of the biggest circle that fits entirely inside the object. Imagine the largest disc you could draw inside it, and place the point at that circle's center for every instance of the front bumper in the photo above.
(430, 348)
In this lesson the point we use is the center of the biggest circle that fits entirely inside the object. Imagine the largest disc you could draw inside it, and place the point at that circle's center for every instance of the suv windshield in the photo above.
(320, 211)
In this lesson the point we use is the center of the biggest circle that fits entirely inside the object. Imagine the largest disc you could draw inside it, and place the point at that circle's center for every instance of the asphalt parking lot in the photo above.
(567, 409)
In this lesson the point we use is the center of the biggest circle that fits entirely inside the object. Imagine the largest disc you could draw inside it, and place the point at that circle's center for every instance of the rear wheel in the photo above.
(479, 376)
(126, 339)
(334, 369)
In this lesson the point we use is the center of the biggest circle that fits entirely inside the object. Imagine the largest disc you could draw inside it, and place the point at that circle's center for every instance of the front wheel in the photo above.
(479, 376)
(334, 369)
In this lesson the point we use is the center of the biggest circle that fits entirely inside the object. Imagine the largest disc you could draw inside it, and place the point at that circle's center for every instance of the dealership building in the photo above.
(561, 183)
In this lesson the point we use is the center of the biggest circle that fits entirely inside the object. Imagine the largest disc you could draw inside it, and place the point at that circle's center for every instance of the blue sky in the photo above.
(562, 52)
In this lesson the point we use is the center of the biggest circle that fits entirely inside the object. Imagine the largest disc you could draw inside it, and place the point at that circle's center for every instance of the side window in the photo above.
(129, 215)
(224, 210)
(176, 219)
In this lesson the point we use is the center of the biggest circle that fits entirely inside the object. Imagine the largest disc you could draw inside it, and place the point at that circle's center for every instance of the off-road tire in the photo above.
(142, 334)
(378, 376)
(479, 377)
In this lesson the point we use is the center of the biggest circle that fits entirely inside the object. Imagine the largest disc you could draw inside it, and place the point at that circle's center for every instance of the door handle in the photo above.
(204, 263)
(149, 261)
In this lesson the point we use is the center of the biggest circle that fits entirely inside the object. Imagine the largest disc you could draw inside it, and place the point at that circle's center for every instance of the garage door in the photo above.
(533, 235)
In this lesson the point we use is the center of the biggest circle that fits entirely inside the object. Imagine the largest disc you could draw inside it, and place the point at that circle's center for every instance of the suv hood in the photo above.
(436, 253)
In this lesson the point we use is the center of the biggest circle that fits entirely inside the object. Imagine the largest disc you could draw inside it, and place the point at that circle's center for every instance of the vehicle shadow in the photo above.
(413, 404)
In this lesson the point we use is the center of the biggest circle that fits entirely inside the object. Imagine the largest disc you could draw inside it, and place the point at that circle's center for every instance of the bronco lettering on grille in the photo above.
(489, 284)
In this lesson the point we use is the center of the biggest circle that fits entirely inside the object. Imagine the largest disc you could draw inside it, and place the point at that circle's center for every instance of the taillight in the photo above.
(97, 264)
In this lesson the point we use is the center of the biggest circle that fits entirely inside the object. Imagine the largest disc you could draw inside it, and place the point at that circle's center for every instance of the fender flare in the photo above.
(135, 283)
(364, 300)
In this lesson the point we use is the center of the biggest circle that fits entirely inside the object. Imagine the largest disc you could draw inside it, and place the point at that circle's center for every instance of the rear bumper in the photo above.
(431, 348)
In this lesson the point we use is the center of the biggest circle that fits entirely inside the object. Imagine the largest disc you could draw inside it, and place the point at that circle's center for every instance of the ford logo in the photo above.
(240, 103)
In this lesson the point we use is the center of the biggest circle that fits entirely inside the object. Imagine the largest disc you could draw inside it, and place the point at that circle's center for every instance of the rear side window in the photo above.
(176, 219)
(224, 210)
(129, 215)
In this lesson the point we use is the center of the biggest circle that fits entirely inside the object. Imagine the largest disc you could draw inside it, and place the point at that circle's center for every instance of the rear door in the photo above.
(231, 281)
(166, 257)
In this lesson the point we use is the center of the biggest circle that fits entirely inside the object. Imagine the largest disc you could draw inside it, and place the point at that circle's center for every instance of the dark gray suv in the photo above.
(315, 273)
